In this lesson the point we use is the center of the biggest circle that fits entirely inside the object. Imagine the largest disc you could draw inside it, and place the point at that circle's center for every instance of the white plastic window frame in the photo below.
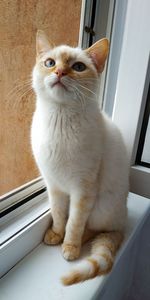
(132, 86)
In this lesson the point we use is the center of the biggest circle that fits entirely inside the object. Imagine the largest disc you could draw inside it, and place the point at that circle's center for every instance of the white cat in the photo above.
(80, 154)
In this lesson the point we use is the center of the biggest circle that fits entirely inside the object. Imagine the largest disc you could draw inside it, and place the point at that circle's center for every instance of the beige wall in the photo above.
(19, 21)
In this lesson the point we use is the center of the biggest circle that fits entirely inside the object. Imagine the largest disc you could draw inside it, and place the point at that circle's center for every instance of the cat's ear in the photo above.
(42, 43)
(98, 53)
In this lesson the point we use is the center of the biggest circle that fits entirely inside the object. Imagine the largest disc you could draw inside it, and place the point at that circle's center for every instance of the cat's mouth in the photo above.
(58, 83)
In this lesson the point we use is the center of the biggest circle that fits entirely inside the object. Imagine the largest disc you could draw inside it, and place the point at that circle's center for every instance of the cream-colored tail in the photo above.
(104, 248)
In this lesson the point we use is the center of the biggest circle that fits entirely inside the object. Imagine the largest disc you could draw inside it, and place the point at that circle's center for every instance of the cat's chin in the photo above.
(59, 93)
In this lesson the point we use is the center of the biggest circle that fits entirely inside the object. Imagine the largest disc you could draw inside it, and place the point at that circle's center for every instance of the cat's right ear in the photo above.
(98, 53)
(42, 43)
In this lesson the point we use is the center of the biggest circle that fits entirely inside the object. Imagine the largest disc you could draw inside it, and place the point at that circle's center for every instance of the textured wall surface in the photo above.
(19, 21)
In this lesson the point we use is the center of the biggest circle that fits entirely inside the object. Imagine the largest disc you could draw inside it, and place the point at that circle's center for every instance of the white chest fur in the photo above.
(66, 143)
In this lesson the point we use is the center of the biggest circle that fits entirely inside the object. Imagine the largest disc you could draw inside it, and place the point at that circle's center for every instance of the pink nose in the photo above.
(60, 72)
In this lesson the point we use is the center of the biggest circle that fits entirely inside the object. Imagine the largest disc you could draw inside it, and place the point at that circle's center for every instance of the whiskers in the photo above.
(20, 94)
(83, 89)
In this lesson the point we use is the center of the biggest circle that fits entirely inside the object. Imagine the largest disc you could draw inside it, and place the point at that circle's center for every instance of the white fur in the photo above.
(72, 140)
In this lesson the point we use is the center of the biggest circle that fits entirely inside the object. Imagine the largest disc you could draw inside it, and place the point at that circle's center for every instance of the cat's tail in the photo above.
(104, 248)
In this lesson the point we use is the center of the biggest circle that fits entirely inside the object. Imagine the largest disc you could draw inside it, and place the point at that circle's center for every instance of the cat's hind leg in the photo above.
(59, 211)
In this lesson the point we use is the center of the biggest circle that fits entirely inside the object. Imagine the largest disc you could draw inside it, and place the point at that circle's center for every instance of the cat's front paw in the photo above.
(52, 238)
(70, 252)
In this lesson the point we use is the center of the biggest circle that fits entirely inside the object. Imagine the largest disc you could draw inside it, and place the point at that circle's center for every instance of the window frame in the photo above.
(125, 108)
(22, 228)
(18, 195)
(23, 242)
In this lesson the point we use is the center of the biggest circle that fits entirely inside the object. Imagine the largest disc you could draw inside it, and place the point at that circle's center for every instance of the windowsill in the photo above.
(37, 276)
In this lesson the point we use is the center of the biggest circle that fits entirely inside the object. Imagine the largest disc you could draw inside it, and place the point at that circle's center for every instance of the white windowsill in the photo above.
(37, 276)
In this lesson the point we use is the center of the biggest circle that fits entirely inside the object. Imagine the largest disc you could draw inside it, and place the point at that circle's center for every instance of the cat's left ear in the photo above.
(98, 53)
(42, 43)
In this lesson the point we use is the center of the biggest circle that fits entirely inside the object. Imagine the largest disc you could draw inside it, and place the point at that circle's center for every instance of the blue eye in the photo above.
(49, 63)
(79, 66)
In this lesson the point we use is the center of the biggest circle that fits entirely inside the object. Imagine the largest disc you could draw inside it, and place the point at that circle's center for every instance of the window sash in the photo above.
(20, 196)
(24, 241)
(132, 85)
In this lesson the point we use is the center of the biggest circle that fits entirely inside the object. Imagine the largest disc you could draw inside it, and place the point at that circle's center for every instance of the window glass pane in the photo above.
(19, 21)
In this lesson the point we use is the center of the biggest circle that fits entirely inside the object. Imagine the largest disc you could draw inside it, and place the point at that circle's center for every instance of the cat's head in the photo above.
(63, 72)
